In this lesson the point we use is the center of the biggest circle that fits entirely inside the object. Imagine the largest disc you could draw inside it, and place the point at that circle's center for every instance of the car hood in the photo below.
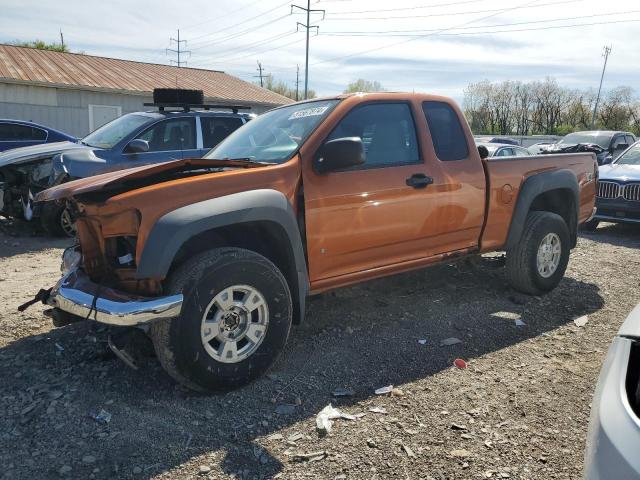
(631, 326)
(620, 172)
(138, 177)
(35, 152)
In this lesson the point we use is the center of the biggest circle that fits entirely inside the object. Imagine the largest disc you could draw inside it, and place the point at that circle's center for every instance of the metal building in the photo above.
(76, 93)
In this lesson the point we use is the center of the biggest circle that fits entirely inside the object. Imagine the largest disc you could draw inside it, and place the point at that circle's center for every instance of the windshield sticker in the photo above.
(308, 112)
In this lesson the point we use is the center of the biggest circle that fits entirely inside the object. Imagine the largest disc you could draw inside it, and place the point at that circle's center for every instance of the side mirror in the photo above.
(338, 154)
(137, 146)
(483, 151)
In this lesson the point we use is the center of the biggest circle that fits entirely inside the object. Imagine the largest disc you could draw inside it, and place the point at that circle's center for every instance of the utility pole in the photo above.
(61, 39)
(178, 51)
(260, 74)
(308, 27)
(607, 51)
(297, 81)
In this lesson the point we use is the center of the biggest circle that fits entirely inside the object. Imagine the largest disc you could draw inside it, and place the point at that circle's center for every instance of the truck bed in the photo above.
(505, 177)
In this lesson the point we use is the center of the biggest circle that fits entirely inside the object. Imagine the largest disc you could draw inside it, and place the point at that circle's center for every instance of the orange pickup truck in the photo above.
(215, 257)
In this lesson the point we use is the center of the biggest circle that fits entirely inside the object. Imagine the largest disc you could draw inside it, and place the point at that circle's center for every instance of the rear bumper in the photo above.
(76, 294)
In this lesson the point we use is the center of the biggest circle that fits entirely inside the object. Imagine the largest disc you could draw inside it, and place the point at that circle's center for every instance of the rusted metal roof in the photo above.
(43, 67)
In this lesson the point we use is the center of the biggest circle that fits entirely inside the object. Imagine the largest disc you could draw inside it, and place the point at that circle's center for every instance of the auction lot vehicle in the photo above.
(614, 428)
(18, 133)
(504, 149)
(174, 131)
(618, 192)
(216, 256)
(607, 144)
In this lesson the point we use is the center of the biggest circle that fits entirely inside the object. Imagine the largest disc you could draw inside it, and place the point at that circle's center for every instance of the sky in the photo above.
(436, 46)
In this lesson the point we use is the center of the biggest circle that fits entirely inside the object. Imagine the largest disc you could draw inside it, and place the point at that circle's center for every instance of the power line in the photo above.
(241, 33)
(417, 7)
(217, 19)
(233, 59)
(248, 46)
(178, 50)
(607, 51)
(429, 34)
(411, 33)
(447, 14)
(240, 23)
(308, 27)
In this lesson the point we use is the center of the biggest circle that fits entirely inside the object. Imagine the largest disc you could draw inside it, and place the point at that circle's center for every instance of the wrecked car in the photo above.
(173, 131)
(214, 258)
(606, 144)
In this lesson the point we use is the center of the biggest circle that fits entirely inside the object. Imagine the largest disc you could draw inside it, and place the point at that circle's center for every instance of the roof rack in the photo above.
(186, 107)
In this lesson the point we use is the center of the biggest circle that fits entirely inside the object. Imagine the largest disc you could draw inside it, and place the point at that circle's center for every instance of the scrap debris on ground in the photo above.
(520, 408)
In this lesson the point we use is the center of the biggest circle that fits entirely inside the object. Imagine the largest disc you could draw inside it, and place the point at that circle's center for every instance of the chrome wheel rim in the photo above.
(234, 323)
(549, 253)
(66, 223)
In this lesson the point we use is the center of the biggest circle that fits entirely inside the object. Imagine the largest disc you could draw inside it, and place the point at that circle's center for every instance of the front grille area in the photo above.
(629, 191)
(608, 190)
(632, 192)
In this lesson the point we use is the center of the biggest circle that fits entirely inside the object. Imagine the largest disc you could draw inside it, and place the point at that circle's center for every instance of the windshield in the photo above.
(630, 157)
(108, 135)
(275, 135)
(601, 140)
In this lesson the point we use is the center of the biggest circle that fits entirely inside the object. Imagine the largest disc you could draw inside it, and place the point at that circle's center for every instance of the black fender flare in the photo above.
(531, 188)
(175, 228)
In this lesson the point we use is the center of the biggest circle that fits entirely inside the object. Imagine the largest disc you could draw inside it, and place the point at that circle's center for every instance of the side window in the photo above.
(38, 134)
(449, 140)
(505, 152)
(630, 140)
(12, 132)
(173, 134)
(387, 131)
(216, 129)
(521, 152)
(618, 140)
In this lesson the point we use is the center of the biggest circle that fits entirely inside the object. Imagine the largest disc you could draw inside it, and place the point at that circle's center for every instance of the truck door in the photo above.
(401, 205)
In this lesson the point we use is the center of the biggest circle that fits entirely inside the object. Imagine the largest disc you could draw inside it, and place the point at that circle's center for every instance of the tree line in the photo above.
(544, 107)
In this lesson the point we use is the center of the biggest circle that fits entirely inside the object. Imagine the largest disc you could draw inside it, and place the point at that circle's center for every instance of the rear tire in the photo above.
(537, 263)
(234, 323)
(56, 221)
(590, 226)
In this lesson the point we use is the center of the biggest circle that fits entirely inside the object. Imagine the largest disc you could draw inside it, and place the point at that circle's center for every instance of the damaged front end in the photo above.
(99, 281)
(18, 185)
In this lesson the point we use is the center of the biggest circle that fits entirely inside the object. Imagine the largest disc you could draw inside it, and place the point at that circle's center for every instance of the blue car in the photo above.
(618, 193)
(169, 133)
(18, 133)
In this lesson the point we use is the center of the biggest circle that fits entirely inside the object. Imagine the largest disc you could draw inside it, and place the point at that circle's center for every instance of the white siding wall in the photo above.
(65, 109)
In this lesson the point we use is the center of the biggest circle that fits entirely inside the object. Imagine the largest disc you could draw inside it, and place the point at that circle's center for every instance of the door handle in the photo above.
(419, 180)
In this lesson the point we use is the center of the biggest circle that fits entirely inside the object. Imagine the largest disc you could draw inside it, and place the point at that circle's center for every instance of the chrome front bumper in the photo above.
(76, 294)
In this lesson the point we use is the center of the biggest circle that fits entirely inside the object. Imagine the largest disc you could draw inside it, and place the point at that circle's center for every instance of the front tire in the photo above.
(538, 262)
(234, 324)
(56, 220)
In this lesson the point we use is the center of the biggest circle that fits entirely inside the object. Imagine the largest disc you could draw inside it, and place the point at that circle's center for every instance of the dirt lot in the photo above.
(520, 410)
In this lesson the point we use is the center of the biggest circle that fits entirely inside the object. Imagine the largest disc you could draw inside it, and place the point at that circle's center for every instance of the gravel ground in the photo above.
(520, 410)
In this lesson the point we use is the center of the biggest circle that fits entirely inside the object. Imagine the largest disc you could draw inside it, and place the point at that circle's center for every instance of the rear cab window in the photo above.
(449, 140)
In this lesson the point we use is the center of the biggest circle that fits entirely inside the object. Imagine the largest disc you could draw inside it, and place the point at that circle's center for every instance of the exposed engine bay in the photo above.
(19, 183)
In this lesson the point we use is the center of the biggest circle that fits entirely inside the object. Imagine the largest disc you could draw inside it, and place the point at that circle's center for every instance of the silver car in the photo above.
(613, 442)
